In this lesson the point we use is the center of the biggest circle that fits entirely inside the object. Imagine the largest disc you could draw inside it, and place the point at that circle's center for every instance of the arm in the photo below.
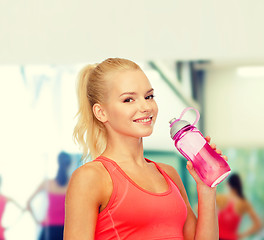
(256, 226)
(83, 199)
(207, 223)
(11, 200)
(15, 203)
(40, 188)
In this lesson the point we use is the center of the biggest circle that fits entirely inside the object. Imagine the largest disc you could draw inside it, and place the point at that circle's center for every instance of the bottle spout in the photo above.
(172, 120)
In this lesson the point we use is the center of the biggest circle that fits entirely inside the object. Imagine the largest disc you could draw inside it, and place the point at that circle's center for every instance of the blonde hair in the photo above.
(89, 132)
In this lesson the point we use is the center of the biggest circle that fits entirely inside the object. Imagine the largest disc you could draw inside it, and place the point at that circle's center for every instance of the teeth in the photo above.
(145, 120)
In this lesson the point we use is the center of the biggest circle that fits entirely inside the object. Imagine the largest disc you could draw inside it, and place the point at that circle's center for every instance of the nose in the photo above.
(144, 106)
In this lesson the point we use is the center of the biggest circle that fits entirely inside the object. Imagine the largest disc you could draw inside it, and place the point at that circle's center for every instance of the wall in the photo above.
(234, 108)
(47, 31)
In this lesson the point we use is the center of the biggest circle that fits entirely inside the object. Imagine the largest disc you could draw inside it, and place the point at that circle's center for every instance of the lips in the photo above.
(143, 119)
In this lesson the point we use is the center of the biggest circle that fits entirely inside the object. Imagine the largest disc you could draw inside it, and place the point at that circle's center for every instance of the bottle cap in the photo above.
(176, 126)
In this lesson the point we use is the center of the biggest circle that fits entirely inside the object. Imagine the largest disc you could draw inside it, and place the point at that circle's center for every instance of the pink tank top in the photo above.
(134, 213)
(3, 202)
(56, 210)
(228, 221)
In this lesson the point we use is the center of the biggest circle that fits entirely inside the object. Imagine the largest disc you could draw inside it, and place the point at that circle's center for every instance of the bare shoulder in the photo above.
(247, 206)
(84, 180)
(84, 197)
(89, 174)
(44, 185)
(174, 175)
(221, 200)
(171, 171)
(94, 167)
(222, 197)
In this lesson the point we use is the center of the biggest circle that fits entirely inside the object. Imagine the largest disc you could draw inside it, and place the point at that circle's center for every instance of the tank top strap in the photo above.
(121, 180)
(108, 164)
(111, 166)
(165, 175)
(113, 169)
(157, 165)
(160, 169)
(120, 183)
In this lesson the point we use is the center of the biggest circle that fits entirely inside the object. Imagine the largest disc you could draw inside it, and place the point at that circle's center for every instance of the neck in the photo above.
(125, 150)
(234, 194)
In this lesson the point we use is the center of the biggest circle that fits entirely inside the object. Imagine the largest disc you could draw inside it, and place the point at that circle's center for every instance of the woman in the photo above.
(120, 194)
(232, 207)
(52, 225)
(4, 200)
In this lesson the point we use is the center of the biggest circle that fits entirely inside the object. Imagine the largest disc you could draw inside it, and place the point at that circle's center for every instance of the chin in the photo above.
(146, 134)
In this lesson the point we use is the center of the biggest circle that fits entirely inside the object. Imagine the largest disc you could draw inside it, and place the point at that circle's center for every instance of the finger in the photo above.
(218, 151)
(208, 138)
(213, 146)
(192, 171)
(189, 165)
(190, 168)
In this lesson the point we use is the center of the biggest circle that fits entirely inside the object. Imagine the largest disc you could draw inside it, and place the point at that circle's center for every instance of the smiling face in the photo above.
(130, 109)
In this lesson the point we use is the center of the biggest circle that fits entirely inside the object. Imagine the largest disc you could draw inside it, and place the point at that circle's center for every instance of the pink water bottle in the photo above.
(210, 166)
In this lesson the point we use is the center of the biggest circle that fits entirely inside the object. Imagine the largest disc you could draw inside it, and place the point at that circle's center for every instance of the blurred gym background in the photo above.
(205, 54)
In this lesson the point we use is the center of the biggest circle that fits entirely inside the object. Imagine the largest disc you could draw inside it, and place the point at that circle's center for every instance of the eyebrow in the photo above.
(134, 93)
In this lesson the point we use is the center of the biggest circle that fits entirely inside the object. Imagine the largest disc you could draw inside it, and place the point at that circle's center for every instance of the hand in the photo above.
(193, 173)
(213, 146)
(191, 169)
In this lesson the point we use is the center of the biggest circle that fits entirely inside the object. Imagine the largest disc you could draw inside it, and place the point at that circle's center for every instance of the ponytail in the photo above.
(236, 184)
(64, 161)
(89, 132)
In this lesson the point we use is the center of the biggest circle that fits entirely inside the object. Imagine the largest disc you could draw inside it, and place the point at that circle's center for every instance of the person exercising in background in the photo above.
(53, 223)
(231, 209)
(4, 200)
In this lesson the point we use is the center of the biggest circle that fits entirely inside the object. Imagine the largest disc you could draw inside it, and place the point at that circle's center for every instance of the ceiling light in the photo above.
(257, 71)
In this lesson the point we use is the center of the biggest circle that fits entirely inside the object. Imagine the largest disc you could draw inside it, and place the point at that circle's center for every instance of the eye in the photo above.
(128, 100)
(150, 97)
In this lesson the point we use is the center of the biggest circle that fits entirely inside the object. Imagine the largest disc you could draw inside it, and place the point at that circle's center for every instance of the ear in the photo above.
(99, 112)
